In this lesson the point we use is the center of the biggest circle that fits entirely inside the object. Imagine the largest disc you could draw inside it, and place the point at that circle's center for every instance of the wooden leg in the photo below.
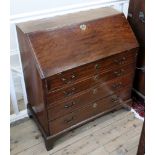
(49, 143)
(128, 105)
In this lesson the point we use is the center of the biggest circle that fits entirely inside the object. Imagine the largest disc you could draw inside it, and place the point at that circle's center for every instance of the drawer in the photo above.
(68, 91)
(88, 111)
(68, 105)
(77, 74)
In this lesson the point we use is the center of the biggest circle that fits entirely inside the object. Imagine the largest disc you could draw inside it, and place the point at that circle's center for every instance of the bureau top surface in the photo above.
(69, 19)
(65, 42)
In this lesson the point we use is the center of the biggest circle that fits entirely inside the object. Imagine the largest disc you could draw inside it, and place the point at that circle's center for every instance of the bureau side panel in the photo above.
(34, 84)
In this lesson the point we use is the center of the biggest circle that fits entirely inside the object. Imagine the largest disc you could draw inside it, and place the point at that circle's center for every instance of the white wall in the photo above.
(27, 6)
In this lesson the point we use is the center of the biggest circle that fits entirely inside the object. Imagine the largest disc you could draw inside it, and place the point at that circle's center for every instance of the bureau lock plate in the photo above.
(83, 27)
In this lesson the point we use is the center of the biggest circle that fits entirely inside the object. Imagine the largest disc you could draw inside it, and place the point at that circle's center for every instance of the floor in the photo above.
(116, 133)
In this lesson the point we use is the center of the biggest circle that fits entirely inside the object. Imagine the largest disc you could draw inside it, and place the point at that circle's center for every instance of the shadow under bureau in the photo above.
(76, 67)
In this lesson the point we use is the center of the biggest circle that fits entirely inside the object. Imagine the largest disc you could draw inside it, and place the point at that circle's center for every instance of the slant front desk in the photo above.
(77, 67)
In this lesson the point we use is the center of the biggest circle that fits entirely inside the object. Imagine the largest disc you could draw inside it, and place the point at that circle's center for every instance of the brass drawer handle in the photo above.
(64, 80)
(97, 66)
(119, 73)
(120, 61)
(96, 77)
(117, 85)
(73, 76)
(115, 99)
(69, 105)
(94, 90)
(69, 120)
(70, 92)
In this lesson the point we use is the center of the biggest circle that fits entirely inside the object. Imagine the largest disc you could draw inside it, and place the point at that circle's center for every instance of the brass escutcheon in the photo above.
(94, 105)
(83, 27)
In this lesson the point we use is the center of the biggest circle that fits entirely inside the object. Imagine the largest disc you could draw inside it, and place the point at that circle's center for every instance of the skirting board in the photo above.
(20, 115)
(137, 115)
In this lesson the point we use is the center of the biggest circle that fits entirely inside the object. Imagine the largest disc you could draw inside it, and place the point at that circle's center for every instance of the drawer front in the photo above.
(90, 110)
(56, 95)
(68, 77)
(59, 109)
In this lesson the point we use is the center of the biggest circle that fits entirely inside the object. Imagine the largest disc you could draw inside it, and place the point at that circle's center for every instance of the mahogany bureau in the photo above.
(77, 67)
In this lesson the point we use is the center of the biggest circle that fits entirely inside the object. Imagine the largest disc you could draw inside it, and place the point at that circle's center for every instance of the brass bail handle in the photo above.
(83, 27)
